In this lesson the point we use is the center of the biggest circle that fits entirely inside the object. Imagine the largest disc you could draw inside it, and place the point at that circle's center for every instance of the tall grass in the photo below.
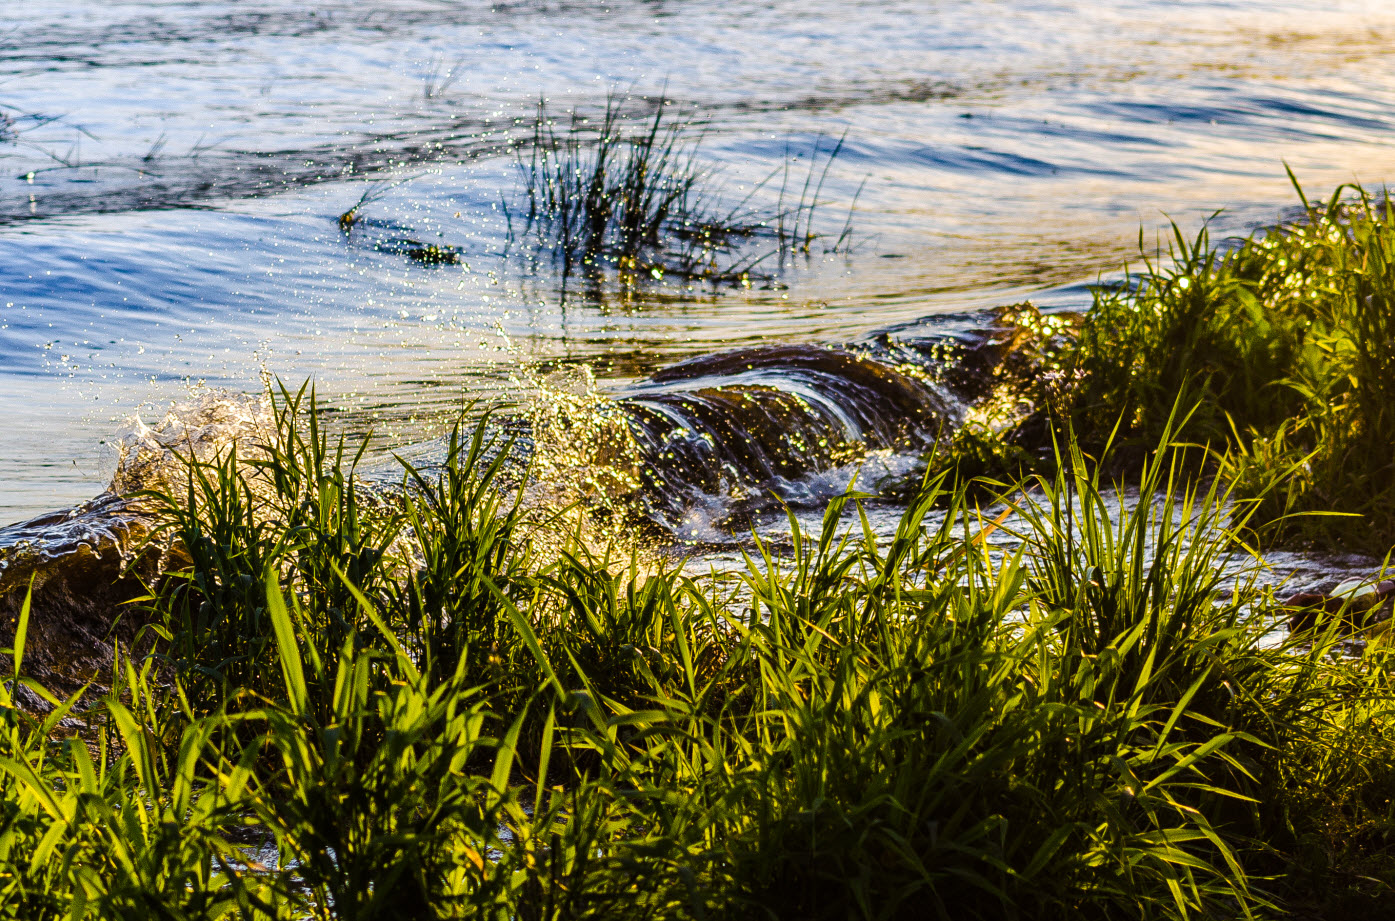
(1283, 341)
(293, 506)
(1081, 721)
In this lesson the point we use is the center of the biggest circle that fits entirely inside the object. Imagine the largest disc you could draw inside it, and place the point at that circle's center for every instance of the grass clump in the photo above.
(1280, 341)
(429, 717)
(622, 198)
(1283, 341)
(386, 236)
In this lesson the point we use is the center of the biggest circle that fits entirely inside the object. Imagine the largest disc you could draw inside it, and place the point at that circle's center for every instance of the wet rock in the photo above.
(1347, 609)
(739, 426)
(978, 355)
(83, 576)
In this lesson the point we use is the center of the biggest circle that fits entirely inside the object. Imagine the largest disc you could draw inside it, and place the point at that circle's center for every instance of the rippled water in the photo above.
(171, 174)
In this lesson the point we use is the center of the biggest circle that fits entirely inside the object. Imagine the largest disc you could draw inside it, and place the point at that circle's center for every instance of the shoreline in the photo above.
(455, 702)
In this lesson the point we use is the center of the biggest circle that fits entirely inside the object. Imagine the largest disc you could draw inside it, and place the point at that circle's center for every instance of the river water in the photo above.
(171, 174)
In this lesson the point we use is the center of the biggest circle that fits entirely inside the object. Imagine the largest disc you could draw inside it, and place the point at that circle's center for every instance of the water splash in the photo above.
(157, 456)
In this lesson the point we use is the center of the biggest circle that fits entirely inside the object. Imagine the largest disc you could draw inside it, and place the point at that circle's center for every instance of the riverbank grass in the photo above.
(1040, 697)
(386, 709)
(1278, 345)
(1284, 343)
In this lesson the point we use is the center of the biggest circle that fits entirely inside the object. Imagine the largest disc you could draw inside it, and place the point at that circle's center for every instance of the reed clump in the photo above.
(624, 198)
(404, 709)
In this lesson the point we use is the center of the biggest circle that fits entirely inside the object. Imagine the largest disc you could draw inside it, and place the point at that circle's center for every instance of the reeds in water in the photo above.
(627, 197)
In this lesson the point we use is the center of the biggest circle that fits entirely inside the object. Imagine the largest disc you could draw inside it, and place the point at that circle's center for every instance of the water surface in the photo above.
(171, 172)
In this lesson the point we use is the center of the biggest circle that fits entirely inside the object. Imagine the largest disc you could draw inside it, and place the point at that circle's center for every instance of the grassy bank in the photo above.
(1280, 344)
(360, 708)
(441, 701)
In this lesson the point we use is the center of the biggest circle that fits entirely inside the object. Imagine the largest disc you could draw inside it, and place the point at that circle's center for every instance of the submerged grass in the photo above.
(407, 710)
(386, 236)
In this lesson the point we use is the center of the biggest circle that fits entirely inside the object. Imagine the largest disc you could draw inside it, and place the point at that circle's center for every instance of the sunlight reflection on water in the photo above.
(173, 224)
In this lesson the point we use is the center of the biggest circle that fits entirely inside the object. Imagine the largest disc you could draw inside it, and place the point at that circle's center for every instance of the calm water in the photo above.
(171, 173)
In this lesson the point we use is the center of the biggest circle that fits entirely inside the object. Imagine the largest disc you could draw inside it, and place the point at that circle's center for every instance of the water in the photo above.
(171, 174)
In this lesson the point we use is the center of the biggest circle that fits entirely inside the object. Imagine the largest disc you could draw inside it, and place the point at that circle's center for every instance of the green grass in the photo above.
(403, 708)
(1280, 342)
(1033, 700)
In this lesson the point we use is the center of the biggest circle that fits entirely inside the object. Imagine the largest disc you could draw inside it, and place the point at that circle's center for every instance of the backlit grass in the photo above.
(1280, 346)
(405, 709)
(1284, 342)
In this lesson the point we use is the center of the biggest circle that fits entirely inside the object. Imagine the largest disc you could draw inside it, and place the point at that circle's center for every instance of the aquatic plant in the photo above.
(387, 236)
(624, 195)
(429, 254)
(440, 75)
(372, 192)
